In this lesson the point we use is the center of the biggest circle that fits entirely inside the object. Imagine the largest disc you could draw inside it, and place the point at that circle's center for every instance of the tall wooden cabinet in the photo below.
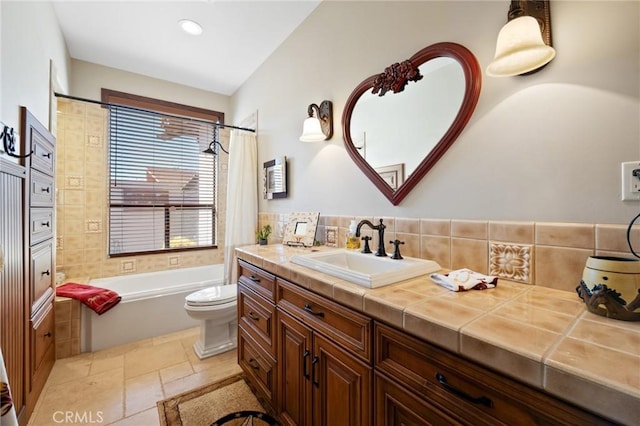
(39, 207)
(12, 288)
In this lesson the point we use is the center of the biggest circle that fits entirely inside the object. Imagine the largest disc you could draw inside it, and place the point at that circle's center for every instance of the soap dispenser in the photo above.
(353, 242)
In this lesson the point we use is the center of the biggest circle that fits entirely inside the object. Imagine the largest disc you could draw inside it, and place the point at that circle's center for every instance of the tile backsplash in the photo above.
(538, 253)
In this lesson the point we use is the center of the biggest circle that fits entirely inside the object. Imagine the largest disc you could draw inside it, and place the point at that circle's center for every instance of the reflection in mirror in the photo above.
(428, 99)
(403, 128)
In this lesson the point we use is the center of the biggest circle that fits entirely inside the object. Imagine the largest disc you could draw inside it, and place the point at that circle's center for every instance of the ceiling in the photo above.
(144, 37)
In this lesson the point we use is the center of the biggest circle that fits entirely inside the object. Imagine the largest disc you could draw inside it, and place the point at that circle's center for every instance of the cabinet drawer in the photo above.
(41, 273)
(465, 390)
(42, 335)
(42, 190)
(257, 317)
(258, 366)
(42, 158)
(41, 224)
(397, 406)
(257, 280)
(342, 325)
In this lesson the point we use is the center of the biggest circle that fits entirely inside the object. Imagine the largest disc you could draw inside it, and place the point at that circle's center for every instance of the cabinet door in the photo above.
(341, 386)
(294, 371)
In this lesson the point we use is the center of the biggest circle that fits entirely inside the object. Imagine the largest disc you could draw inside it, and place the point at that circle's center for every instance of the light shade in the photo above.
(520, 48)
(312, 131)
(320, 127)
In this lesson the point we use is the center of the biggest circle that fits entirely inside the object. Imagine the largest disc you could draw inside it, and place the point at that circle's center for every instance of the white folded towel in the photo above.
(465, 279)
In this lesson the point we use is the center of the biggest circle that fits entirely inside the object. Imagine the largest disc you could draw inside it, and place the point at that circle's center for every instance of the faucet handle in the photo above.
(366, 248)
(396, 251)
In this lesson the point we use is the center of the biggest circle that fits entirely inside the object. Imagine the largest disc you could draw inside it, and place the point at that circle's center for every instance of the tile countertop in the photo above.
(540, 336)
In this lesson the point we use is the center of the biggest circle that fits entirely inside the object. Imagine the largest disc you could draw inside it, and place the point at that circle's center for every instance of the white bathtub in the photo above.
(152, 305)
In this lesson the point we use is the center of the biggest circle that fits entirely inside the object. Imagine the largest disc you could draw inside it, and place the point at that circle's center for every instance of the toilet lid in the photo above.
(216, 295)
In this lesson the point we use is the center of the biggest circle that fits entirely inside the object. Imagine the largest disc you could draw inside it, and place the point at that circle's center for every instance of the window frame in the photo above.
(112, 97)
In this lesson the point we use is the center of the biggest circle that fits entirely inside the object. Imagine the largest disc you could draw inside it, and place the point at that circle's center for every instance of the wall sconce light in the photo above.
(524, 43)
(320, 127)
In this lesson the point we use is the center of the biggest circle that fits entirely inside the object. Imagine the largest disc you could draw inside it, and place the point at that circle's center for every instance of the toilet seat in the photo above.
(213, 296)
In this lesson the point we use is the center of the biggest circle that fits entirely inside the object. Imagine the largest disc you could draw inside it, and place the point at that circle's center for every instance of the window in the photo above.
(162, 187)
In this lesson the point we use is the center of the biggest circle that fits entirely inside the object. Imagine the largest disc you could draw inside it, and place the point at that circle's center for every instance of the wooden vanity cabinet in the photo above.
(321, 382)
(320, 363)
(257, 330)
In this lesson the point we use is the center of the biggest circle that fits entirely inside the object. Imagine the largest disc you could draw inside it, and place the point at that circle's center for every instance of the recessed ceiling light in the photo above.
(190, 27)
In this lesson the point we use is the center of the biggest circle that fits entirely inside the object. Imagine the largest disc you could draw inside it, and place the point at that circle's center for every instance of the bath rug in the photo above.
(229, 402)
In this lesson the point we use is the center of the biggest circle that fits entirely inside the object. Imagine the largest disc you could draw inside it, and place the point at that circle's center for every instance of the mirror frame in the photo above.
(473, 83)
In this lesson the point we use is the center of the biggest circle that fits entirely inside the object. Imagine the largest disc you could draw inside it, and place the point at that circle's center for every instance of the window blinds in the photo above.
(162, 192)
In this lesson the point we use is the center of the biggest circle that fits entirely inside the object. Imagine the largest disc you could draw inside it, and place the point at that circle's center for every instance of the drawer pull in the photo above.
(253, 316)
(252, 362)
(308, 308)
(45, 272)
(254, 279)
(45, 224)
(47, 155)
(305, 355)
(48, 334)
(45, 189)
(314, 362)
(483, 400)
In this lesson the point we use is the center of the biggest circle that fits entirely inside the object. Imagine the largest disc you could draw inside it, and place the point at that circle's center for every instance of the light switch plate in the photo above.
(630, 183)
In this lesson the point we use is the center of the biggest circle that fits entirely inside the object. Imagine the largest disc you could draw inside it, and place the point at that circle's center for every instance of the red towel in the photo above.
(96, 298)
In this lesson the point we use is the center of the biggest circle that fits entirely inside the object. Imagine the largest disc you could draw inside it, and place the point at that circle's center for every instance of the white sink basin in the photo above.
(366, 270)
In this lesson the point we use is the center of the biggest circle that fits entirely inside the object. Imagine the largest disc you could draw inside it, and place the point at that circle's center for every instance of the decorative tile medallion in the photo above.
(74, 182)
(93, 226)
(510, 261)
(128, 266)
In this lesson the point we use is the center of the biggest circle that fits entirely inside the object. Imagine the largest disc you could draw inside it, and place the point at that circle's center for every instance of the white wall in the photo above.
(30, 38)
(89, 79)
(545, 147)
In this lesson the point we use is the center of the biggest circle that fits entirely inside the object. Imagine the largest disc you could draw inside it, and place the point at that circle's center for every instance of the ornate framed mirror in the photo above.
(386, 127)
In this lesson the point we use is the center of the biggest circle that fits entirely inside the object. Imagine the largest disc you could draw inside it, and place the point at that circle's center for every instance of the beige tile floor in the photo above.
(120, 386)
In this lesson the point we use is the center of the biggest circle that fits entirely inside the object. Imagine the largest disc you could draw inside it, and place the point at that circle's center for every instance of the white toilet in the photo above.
(216, 308)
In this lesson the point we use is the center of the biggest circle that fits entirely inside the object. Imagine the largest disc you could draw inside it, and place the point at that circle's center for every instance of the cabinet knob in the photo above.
(252, 362)
(253, 316)
(45, 224)
(45, 189)
(254, 279)
(48, 334)
(47, 155)
(45, 272)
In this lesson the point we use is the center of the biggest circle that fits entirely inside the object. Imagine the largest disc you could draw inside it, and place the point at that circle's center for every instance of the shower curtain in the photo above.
(242, 198)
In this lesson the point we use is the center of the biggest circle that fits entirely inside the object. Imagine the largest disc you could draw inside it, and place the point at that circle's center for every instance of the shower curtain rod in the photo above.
(91, 101)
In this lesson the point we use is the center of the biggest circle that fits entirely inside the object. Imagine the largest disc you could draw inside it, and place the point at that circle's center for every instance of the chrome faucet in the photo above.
(380, 228)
